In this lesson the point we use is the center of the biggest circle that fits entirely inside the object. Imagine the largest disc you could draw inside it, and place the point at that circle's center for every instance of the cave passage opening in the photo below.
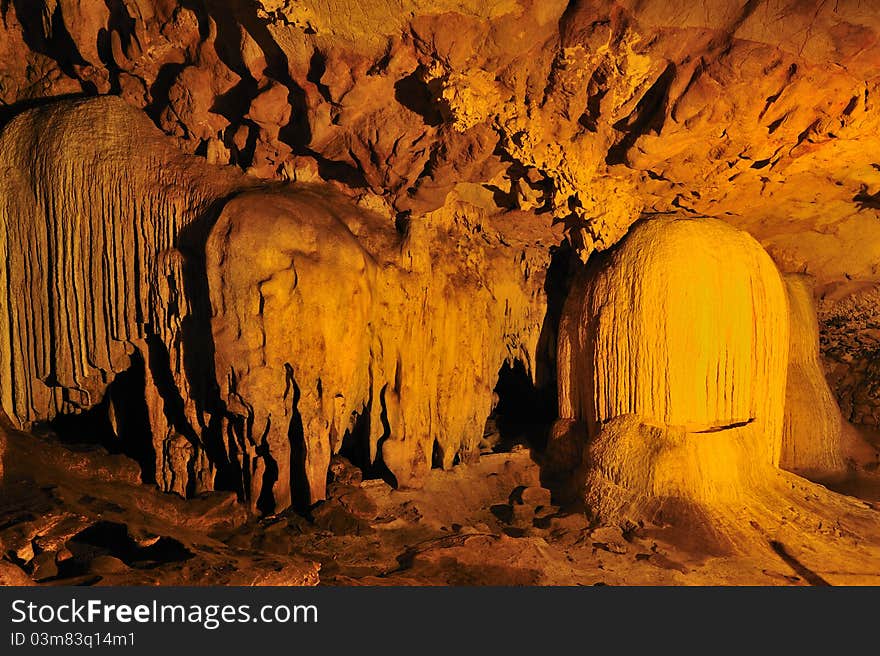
(523, 414)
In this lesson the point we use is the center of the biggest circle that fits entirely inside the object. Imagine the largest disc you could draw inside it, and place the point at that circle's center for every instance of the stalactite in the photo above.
(312, 330)
(92, 203)
(266, 330)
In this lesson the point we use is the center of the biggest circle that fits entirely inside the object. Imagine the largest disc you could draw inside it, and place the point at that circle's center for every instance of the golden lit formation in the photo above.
(514, 292)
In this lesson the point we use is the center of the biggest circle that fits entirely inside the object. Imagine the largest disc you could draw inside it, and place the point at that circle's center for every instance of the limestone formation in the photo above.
(264, 337)
(95, 207)
(321, 337)
(811, 439)
(673, 350)
(295, 252)
(597, 111)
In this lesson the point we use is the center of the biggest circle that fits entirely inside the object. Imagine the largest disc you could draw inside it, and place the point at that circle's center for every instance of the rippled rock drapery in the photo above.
(303, 314)
(812, 435)
(762, 114)
(673, 352)
(325, 317)
(94, 205)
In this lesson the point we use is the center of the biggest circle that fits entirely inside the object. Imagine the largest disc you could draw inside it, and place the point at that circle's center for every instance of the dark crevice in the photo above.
(198, 348)
(597, 88)
(437, 455)
(342, 172)
(556, 285)
(414, 94)
(265, 503)
(524, 411)
(317, 68)
(119, 423)
(299, 486)
(773, 126)
(866, 201)
(57, 44)
(106, 538)
(356, 447)
(648, 117)
(735, 424)
(160, 89)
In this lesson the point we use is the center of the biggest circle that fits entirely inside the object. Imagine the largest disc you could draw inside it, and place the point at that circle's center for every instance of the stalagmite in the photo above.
(811, 437)
(673, 349)
(291, 292)
(285, 276)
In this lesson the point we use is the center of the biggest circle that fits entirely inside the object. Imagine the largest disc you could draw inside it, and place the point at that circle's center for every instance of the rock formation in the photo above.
(246, 242)
(327, 321)
(673, 351)
(264, 334)
(811, 440)
(94, 208)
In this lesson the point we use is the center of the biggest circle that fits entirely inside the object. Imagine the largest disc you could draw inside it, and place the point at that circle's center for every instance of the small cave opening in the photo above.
(523, 414)
(356, 449)
(526, 403)
(119, 423)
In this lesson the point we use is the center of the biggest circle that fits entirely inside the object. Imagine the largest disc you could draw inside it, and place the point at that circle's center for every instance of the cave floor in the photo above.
(80, 517)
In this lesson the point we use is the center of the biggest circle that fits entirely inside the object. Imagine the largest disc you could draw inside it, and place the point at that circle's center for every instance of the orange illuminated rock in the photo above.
(243, 348)
(673, 350)
(94, 208)
(329, 326)
(811, 438)
(291, 291)
(243, 241)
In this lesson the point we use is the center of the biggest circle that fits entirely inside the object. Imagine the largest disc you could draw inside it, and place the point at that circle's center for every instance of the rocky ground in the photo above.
(489, 523)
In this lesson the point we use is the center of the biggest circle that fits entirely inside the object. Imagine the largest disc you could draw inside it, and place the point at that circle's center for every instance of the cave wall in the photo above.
(93, 204)
(597, 112)
(316, 331)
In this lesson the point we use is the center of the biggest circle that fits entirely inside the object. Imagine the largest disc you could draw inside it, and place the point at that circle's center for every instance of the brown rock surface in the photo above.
(275, 254)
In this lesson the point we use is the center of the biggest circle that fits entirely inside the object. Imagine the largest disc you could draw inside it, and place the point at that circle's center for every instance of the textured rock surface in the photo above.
(257, 339)
(596, 112)
(673, 351)
(849, 339)
(324, 316)
(94, 207)
(456, 167)
(685, 324)
(812, 433)
(759, 113)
